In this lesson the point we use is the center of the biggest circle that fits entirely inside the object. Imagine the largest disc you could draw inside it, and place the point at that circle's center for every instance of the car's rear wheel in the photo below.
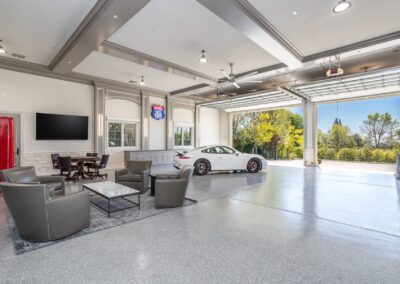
(253, 166)
(202, 167)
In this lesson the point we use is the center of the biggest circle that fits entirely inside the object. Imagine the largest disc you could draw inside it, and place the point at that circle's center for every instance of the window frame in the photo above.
(183, 125)
(123, 121)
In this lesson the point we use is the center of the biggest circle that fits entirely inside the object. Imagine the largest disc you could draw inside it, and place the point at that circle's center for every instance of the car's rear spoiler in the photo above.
(180, 153)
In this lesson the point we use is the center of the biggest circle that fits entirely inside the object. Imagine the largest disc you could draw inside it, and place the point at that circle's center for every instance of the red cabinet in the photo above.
(6, 143)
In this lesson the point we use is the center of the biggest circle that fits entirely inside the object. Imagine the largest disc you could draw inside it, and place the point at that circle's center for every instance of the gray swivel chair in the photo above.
(27, 175)
(136, 175)
(40, 218)
(170, 190)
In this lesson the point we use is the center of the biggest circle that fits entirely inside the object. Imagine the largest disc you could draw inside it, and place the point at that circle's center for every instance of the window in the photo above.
(183, 136)
(130, 135)
(114, 134)
(122, 134)
(219, 150)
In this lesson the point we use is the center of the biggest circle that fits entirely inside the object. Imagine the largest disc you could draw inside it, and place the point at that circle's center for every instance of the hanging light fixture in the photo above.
(2, 49)
(203, 58)
(142, 82)
(341, 6)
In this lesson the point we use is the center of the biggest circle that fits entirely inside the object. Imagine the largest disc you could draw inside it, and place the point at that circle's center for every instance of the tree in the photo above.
(376, 127)
(339, 137)
(358, 140)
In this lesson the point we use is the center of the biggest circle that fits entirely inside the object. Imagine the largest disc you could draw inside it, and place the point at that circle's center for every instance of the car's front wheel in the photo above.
(253, 166)
(202, 167)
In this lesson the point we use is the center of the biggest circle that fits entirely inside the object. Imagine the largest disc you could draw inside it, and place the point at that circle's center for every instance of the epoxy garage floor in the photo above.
(287, 225)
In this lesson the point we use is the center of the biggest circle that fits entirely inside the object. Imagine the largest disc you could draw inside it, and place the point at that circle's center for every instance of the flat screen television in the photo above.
(61, 127)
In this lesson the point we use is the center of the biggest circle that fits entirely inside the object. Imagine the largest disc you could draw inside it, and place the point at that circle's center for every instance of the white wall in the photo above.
(209, 126)
(182, 115)
(224, 128)
(27, 94)
(157, 128)
(123, 109)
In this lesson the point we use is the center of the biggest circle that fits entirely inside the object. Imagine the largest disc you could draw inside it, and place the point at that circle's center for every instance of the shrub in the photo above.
(347, 154)
(390, 156)
(330, 154)
(378, 155)
(365, 154)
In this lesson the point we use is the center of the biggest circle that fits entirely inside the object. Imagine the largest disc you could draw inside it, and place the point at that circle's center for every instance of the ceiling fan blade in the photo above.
(236, 85)
(251, 81)
(225, 74)
(247, 75)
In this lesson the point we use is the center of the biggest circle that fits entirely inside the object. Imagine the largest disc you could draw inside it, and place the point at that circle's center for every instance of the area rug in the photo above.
(98, 221)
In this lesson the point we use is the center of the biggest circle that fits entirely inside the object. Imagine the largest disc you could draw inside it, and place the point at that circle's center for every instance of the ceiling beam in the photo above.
(247, 20)
(106, 17)
(137, 57)
(44, 71)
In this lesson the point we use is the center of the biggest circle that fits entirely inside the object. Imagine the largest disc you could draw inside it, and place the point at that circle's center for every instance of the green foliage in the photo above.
(277, 133)
(346, 154)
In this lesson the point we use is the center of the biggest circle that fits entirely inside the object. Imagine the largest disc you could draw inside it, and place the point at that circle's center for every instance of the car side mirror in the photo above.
(237, 154)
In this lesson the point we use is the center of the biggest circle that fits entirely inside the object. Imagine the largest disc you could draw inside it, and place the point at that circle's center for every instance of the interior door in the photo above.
(17, 137)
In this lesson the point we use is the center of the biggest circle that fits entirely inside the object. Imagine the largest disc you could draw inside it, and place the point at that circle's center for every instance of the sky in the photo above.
(354, 113)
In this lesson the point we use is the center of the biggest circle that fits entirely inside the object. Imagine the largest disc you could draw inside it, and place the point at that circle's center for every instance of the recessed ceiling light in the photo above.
(115, 16)
(142, 82)
(69, 62)
(341, 6)
(203, 58)
(294, 13)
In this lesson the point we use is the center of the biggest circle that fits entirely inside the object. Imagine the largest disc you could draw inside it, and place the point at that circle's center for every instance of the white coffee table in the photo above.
(110, 191)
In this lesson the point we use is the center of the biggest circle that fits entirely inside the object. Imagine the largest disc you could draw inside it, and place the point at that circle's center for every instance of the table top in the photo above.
(109, 189)
(85, 158)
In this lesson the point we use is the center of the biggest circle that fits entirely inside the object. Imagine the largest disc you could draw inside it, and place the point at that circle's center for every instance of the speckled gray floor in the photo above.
(288, 225)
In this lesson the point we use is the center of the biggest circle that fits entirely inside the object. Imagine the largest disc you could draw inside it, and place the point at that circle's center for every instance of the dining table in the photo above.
(80, 163)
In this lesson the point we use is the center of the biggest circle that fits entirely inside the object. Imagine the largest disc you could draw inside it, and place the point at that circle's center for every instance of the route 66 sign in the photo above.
(157, 112)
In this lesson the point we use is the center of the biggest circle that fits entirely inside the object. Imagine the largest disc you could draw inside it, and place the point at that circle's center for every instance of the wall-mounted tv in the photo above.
(61, 127)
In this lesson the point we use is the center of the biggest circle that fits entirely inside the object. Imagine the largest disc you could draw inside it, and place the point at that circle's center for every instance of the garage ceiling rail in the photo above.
(368, 84)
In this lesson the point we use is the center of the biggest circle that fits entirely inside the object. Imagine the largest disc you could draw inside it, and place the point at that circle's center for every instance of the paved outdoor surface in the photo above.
(358, 166)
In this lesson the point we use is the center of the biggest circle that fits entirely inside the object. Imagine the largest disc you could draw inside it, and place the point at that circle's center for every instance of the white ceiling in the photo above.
(316, 28)
(177, 31)
(109, 67)
(38, 29)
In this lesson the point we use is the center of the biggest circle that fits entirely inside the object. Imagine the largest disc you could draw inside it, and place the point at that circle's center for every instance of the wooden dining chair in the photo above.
(88, 165)
(66, 168)
(98, 166)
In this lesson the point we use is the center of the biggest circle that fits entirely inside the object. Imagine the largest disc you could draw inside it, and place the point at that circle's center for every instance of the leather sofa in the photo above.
(27, 175)
(40, 218)
(170, 190)
(136, 175)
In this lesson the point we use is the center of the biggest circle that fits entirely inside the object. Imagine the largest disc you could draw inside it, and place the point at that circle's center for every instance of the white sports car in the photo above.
(219, 158)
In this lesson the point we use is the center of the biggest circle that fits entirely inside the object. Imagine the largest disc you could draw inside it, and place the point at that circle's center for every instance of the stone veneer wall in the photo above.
(159, 157)
(42, 161)
(116, 160)
(43, 165)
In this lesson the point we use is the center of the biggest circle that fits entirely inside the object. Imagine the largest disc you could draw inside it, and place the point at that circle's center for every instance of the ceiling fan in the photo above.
(219, 93)
(232, 78)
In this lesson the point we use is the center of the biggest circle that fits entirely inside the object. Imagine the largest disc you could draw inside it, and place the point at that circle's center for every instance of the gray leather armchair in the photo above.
(27, 175)
(40, 218)
(171, 189)
(136, 175)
